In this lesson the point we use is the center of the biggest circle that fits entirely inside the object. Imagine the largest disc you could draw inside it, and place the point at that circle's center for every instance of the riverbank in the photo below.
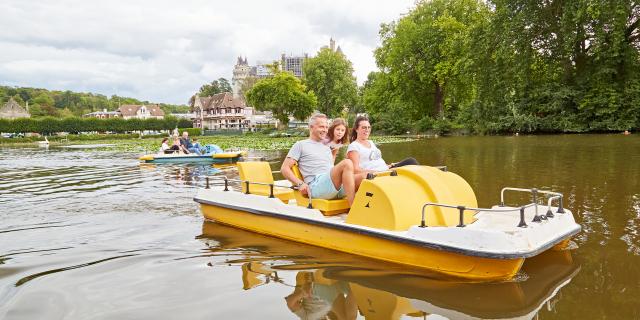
(151, 145)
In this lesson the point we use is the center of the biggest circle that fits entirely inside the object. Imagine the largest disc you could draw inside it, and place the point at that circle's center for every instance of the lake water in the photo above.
(88, 234)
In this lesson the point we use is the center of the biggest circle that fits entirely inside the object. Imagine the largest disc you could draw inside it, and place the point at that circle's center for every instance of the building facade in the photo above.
(293, 64)
(224, 112)
(258, 119)
(129, 111)
(12, 110)
(263, 71)
(104, 114)
(219, 112)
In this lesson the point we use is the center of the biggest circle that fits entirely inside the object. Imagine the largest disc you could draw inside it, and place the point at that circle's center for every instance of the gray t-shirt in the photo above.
(313, 158)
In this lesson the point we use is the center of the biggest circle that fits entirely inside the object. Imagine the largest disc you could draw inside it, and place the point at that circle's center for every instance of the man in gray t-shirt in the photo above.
(315, 162)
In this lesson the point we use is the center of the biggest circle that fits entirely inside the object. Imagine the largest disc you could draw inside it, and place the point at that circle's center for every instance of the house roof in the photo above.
(220, 100)
(130, 110)
(13, 106)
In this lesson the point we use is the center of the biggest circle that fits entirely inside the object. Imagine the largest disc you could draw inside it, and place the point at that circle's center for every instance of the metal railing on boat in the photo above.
(247, 183)
(522, 224)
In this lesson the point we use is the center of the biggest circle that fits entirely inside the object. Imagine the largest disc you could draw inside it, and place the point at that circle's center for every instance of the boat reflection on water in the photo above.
(325, 282)
(187, 174)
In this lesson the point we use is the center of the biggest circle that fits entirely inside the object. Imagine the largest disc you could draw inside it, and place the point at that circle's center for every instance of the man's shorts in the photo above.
(322, 188)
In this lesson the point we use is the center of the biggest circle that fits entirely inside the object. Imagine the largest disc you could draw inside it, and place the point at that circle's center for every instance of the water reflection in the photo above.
(65, 208)
(329, 284)
(186, 174)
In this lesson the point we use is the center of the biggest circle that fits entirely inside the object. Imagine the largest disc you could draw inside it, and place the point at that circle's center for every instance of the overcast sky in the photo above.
(163, 51)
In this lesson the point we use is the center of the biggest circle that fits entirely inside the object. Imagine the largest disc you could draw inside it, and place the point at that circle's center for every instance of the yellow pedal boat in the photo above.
(419, 216)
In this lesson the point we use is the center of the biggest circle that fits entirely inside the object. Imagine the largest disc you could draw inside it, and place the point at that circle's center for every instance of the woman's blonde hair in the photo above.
(338, 122)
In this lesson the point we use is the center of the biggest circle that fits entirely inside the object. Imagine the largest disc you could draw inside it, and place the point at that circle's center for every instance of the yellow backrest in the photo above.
(255, 171)
(296, 171)
(384, 202)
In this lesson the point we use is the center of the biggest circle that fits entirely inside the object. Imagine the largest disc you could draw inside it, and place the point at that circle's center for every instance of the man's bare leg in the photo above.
(342, 175)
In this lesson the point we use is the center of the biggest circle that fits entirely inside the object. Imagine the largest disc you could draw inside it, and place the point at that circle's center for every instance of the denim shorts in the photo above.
(322, 188)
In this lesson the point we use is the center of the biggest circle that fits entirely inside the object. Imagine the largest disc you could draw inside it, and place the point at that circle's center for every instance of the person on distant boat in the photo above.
(364, 154)
(336, 136)
(196, 147)
(165, 145)
(177, 147)
(186, 143)
(320, 177)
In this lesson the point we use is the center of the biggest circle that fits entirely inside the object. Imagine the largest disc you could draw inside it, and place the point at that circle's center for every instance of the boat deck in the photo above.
(492, 235)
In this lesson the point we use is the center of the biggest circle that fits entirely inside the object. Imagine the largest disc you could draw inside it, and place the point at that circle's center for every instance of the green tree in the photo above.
(215, 87)
(330, 76)
(44, 99)
(210, 89)
(18, 99)
(426, 54)
(284, 95)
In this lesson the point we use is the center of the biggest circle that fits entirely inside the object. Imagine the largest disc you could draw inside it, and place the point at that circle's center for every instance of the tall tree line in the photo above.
(509, 66)
(62, 104)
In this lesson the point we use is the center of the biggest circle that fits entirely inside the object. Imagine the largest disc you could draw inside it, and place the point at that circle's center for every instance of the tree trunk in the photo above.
(439, 100)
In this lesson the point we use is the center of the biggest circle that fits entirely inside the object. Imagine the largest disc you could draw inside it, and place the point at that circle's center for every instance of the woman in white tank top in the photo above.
(364, 154)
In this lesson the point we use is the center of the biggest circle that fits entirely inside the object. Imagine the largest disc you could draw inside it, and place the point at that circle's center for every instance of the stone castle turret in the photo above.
(240, 72)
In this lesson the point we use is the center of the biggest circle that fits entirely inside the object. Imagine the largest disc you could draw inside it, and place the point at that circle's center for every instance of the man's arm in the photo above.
(287, 172)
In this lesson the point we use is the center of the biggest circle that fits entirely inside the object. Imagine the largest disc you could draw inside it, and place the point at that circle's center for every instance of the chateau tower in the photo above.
(240, 72)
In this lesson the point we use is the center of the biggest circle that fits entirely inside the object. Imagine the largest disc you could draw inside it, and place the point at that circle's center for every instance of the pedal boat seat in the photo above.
(260, 171)
(327, 207)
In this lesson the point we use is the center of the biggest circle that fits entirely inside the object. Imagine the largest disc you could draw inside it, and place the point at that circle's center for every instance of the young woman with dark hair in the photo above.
(364, 154)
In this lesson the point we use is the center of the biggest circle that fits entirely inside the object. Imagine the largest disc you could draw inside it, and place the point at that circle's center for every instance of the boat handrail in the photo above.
(462, 209)
(248, 182)
(522, 224)
(534, 194)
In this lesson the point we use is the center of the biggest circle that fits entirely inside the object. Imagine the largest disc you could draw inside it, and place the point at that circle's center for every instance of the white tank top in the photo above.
(370, 158)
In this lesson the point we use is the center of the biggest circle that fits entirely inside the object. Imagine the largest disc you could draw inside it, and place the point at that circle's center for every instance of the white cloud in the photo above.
(163, 51)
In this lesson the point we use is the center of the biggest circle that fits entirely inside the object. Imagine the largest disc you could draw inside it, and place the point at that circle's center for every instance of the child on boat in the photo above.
(336, 136)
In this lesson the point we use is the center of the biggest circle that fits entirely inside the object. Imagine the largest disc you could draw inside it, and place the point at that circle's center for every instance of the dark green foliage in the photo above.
(284, 95)
(510, 66)
(330, 76)
(192, 131)
(210, 89)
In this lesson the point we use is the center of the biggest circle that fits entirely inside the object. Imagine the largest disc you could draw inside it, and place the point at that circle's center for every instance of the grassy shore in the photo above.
(246, 142)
